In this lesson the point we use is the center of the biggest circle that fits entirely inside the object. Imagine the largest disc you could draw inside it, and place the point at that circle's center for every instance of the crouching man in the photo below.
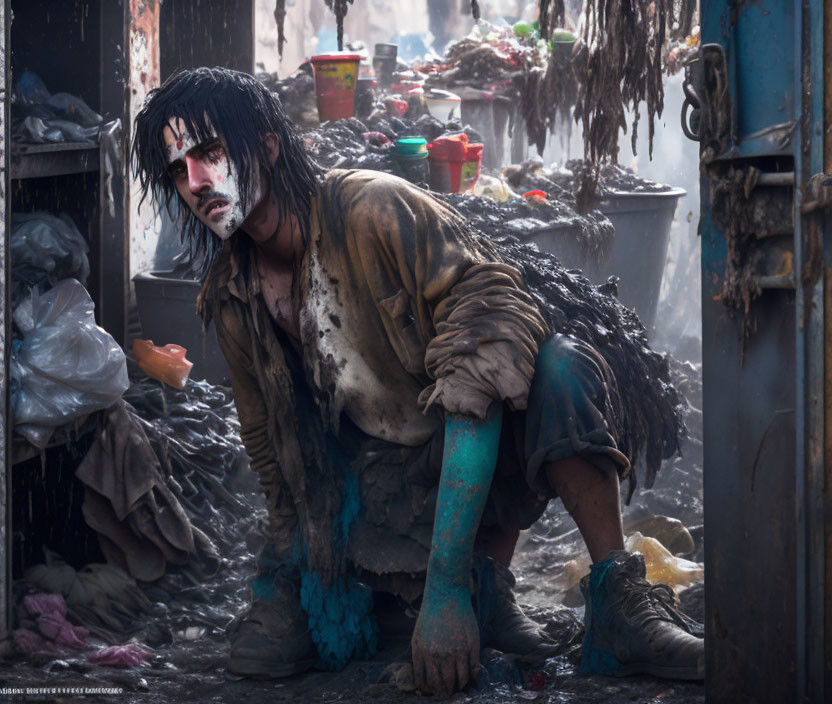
(402, 399)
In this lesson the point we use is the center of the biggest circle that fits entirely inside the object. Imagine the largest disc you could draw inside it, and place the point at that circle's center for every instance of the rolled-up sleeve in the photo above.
(480, 326)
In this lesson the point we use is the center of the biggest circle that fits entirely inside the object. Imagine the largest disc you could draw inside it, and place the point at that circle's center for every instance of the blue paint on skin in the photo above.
(468, 463)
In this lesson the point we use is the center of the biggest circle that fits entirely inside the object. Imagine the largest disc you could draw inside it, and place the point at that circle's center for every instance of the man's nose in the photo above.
(199, 175)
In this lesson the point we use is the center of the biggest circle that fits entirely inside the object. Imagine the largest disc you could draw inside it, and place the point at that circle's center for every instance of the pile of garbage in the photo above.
(41, 117)
(63, 366)
(355, 144)
(352, 144)
(45, 249)
(491, 58)
(297, 95)
(593, 233)
(196, 436)
(565, 182)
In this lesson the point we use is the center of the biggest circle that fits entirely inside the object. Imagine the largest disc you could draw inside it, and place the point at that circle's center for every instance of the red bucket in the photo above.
(336, 75)
(454, 164)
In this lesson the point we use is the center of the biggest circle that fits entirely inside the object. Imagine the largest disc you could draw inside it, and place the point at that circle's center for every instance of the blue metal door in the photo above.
(766, 302)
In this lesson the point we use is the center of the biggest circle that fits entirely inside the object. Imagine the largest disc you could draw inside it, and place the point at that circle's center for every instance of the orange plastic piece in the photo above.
(167, 364)
(536, 194)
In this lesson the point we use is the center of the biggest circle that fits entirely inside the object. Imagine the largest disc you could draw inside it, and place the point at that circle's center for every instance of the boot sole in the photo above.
(268, 669)
(662, 671)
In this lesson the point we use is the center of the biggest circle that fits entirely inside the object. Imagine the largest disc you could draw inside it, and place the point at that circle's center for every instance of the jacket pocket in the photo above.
(403, 332)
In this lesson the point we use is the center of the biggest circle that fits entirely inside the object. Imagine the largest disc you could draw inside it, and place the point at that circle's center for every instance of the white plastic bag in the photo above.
(66, 366)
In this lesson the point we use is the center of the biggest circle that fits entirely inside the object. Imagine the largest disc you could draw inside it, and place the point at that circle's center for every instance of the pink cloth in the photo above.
(49, 614)
(54, 632)
(62, 632)
(120, 656)
(29, 642)
(39, 604)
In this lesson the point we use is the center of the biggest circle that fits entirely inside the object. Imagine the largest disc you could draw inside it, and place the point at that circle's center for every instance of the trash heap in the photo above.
(41, 117)
(297, 94)
(63, 366)
(352, 144)
(521, 217)
(491, 58)
(196, 436)
(565, 183)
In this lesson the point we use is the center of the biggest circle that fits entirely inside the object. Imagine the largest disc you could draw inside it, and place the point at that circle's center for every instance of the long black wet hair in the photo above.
(243, 112)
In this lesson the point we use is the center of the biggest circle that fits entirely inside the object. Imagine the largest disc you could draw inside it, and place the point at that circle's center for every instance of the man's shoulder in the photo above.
(359, 189)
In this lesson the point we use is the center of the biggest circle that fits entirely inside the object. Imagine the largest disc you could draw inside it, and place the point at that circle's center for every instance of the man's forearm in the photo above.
(468, 463)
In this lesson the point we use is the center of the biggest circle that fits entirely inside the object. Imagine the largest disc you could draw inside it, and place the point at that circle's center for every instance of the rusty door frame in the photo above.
(810, 316)
(5, 488)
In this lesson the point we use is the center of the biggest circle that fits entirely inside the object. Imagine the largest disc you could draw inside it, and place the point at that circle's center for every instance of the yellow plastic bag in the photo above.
(662, 566)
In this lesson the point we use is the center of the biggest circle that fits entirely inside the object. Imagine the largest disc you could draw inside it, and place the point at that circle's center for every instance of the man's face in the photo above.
(207, 180)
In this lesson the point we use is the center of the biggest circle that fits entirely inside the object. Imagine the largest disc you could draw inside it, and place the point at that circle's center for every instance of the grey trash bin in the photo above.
(167, 312)
(642, 224)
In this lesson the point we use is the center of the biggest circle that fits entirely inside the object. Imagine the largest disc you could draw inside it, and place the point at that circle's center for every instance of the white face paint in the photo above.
(207, 180)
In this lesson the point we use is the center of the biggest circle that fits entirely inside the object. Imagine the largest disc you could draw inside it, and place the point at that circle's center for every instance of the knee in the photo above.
(556, 361)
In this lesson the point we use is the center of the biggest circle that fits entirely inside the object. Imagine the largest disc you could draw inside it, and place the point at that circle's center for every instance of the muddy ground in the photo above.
(194, 670)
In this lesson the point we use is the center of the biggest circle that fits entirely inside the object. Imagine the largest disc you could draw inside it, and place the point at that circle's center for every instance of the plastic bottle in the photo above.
(412, 158)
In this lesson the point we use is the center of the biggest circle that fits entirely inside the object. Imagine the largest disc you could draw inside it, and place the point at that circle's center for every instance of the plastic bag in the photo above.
(41, 118)
(66, 366)
(35, 129)
(44, 250)
(662, 565)
(31, 89)
(50, 243)
(71, 107)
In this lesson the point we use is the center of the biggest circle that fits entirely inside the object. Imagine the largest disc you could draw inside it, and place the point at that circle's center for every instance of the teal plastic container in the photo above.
(412, 158)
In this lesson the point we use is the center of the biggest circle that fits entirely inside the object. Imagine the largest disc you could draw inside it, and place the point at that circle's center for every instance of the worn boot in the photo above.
(273, 639)
(633, 626)
(503, 625)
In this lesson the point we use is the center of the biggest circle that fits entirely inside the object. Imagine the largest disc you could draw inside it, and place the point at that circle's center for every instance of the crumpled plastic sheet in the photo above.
(196, 434)
(45, 249)
(51, 130)
(39, 117)
(66, 366)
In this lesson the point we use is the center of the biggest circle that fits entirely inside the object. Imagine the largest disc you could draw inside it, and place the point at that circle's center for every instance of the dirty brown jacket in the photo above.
(402, 317)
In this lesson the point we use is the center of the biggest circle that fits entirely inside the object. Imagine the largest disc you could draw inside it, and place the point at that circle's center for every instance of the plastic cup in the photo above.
(442, 104)
(336, 75)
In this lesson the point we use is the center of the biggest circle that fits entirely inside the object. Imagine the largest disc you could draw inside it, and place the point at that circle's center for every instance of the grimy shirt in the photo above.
(400, 311)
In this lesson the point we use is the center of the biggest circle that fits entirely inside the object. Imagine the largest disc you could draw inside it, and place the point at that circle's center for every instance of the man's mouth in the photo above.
(216, 207)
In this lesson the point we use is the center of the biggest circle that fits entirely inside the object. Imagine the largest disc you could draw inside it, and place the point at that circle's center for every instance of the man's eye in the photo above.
(215, 154)
(177, 171)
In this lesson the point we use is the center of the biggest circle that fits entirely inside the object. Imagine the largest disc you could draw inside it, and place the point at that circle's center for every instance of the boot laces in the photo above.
(644, 602)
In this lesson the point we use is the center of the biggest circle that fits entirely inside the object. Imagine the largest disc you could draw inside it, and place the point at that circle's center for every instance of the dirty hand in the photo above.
(446, 642)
